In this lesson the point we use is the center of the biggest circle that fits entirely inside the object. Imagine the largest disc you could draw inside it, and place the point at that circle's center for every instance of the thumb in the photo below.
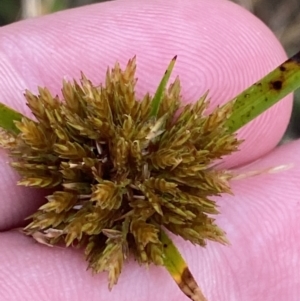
(212, 54)
(220, 47)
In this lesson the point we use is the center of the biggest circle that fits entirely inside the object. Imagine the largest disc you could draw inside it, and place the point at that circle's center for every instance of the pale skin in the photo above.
(220, 47)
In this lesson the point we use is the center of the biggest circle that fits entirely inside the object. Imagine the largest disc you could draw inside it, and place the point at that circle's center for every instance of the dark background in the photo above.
(282, 16)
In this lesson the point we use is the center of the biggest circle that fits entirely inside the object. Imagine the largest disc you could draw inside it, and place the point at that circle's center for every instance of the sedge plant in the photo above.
(124, 172)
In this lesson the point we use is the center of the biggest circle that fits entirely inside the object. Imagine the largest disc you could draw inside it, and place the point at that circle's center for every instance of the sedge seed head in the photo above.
(119, 174)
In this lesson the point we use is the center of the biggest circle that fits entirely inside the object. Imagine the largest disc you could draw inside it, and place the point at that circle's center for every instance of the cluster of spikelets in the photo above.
(120, 174)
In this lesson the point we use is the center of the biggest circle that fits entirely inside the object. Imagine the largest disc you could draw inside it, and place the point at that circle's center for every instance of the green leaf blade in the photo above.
(266, 92)
(178, 269)
(8, 117)
(161, 88)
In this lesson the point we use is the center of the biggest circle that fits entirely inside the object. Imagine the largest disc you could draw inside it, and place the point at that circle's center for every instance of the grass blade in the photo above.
(266, 92)
(161, 88)
(179, 270)
(7, 118)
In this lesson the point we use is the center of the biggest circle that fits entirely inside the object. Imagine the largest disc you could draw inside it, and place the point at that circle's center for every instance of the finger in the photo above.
(212, 54)
(262, 221)
(16, 202)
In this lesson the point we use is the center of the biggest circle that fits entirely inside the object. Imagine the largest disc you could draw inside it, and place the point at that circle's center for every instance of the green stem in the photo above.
(266, 92)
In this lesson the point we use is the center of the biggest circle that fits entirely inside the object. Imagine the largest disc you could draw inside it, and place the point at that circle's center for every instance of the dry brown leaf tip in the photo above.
(118, 173)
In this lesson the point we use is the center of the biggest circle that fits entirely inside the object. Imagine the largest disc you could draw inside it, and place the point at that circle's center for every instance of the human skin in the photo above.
(220, 47)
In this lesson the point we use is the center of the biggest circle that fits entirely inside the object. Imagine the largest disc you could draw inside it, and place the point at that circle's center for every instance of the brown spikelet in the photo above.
(120, 174)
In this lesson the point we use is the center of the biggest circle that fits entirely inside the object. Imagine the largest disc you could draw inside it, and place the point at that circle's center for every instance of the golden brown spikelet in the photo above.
(120, 174)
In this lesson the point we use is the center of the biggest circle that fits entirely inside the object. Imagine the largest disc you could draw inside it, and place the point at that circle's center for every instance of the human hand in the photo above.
(220, 47)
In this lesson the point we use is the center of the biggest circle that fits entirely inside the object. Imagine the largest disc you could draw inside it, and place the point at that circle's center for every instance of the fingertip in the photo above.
(220, 47)
(16, 202)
